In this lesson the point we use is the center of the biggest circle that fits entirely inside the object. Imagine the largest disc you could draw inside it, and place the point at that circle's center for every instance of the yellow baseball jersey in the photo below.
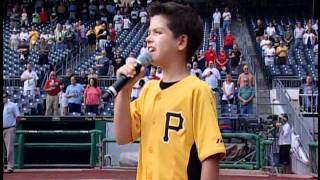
(178, 128)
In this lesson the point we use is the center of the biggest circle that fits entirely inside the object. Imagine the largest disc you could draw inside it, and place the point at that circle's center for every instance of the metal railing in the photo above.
(313, 147)
(13, 82)
(309, 103)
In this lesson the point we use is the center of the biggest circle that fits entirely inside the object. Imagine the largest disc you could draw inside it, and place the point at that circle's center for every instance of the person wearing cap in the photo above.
(282, 54)
(10, 116)
(284, 142)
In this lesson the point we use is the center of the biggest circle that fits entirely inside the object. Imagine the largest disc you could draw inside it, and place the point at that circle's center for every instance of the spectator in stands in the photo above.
(92, 96)
(51, 39)
(59, 36)
(210, 55)
(118, 22)
(134, 16)
(103, 64)
(30, 79)
(14, 40)
(35, 18)
(309, 39)
(23, 49)
(308, 100)
(228, 89)
(269, 55)
(211, 76)
(43, 52)
(74, 95)
(91, 36)
(189, 67)
(271, 31)
(288, 36)
(143, 16)
(53, 16)
(298, 35)
(226, 20)
(102, 37)
(235, 58)
(246, 95)
(98, 29)
(276, 42)
(103, 13)
(212, 39)
(10, 116)
(126, 23)
(315, 26)
(282, 54)
(93, 10)
(264, 42)
(259, 31)
(195, 71)
(246, 74)
(24, 35)
(118, 60)
(113, 34)
(69, 38)
(61, 10)
(45, 35)
(43, 16)
(228, 41)
(201, 60)
(93, 73)
(152, 74)
(108, 47)
(216, 19)
(14, 18)
(308, 26)
(24, 18)
(315, 51)
(136, 89)
(72, 11)
(284, 142)
(222, 60)
(83, 78)
(159, 72)
(52, 87)
(33, 37)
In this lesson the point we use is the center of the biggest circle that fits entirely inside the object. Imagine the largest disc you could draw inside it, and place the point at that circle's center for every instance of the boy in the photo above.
(175, 117)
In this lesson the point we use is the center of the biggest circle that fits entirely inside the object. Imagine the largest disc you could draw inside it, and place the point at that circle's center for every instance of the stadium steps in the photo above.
(240, 30)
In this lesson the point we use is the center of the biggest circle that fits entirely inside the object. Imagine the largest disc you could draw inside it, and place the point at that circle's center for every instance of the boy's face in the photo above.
(161, 43)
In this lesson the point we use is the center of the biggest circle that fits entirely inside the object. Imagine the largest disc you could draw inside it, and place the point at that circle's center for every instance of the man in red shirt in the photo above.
(228, 41)
(210, 55)
(52, 87)
(222, 60)
(113, 33)
(43, 16)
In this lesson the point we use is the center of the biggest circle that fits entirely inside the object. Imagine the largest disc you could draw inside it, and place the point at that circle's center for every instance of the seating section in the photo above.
(301, 62)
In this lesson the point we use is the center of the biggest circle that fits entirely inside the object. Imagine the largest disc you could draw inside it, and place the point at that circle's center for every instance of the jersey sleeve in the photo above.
(207, 134)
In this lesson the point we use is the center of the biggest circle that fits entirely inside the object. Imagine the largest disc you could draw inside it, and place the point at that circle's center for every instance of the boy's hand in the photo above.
(130, 71)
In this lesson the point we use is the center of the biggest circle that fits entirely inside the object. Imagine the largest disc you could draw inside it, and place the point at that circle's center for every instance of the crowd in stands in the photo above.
(218, 62)
(275, 46)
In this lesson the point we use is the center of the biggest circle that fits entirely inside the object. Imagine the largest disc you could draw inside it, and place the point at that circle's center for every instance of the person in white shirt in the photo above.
(211, 76)
(118, 21)
(269, 55)
(216, 19)
(226, 20)
(24, 35)
(14, 40)
(298, 35)
(284, 142)
(264, 42)
(228, 89)
(24, 18)
(143, 16)
(45, 35)
(134, 15)
(30, 78)
(309, 39)
(195, 71)
(271, 30)
(126, 23)
(136, 89)
(315, 26)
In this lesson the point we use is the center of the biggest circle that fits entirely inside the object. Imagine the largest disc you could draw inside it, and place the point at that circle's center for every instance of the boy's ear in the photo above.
(182, 42)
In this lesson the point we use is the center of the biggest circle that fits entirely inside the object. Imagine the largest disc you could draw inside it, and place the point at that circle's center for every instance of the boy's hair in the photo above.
(181, 20)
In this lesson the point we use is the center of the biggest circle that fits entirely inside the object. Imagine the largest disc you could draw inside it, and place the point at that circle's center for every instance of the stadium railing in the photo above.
(313, 147)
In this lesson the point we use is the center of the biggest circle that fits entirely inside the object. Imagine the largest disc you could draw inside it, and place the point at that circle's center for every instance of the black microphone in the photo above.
(143, 59)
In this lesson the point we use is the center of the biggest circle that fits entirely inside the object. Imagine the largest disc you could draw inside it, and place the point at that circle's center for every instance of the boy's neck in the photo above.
(175, 71)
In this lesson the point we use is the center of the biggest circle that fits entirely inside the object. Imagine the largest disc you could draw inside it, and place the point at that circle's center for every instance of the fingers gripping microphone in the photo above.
(143, 59)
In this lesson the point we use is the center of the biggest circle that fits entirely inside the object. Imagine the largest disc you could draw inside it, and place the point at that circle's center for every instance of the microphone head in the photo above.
(144, 57)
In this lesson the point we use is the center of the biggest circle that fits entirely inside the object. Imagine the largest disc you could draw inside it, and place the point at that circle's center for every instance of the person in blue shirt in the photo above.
(74, 95)
(10, 115)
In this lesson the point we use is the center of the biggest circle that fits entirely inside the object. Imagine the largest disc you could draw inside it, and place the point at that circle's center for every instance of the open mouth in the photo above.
(151, 49)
